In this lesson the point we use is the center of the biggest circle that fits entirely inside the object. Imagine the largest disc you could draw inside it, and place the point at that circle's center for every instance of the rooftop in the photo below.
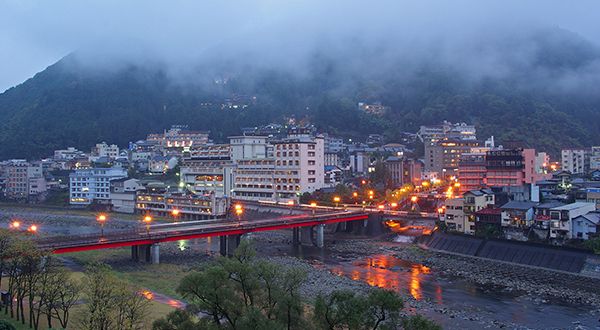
(593, 217)
(573, 206)
(518, 205)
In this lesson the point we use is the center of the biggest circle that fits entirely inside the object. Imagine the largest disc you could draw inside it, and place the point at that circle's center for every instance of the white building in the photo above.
(23, 180)
(297, 166)
(122, 194)
(67, 154)
(104, 150)
(595, 158)
(574, 160)
(248, 147)
(561, 218)
(87, 186)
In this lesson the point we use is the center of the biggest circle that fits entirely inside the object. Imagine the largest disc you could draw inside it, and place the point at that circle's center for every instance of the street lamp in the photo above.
(313, 205)
(32, 229)
(337, 200)
(239, 210)
(15, 224)
(175, 213)
(147, 220)
(101, 219)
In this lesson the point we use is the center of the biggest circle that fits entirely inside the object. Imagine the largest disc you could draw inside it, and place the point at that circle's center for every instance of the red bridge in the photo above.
(144, 241)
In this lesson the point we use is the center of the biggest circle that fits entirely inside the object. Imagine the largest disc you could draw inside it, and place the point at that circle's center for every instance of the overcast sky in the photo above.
(35, 34)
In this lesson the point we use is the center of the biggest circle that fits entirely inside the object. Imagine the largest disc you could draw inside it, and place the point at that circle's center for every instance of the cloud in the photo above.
(284, 34)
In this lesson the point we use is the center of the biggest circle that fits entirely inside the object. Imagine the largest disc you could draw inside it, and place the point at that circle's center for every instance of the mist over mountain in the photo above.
(537, 85)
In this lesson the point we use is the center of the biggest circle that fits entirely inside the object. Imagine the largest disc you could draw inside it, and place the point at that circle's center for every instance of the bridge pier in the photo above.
(141, 253)
(296, 236)
(306, 235)
(228, 244)
(155, 253)
(320, 239)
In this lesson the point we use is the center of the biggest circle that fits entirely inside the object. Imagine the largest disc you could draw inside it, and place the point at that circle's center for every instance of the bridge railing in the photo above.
(142, 234)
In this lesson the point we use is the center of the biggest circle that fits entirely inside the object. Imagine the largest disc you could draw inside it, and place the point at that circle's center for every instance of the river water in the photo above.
(418, 281)
(423, 284)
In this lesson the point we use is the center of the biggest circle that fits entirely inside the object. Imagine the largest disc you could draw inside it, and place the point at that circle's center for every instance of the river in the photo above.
(409, 279)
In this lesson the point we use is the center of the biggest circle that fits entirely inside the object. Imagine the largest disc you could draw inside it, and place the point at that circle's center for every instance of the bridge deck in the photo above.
(188, 230)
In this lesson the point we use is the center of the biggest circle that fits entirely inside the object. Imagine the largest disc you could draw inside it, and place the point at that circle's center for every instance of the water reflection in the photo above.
(390, 273)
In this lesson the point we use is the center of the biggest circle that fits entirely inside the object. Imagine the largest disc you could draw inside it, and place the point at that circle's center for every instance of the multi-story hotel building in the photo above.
(87, 186)
(296, 166)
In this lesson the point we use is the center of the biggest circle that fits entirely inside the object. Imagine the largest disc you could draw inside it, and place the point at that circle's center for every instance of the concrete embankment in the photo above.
(530, 254)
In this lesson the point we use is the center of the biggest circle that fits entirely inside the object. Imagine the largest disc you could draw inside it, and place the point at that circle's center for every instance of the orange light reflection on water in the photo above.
(380, 271)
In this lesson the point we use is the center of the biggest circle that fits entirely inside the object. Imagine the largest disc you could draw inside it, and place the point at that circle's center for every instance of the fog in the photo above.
(479, 39)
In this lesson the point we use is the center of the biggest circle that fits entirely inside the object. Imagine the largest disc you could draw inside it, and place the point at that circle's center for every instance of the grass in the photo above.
(161, 278)
(56, 210)
(155, 311)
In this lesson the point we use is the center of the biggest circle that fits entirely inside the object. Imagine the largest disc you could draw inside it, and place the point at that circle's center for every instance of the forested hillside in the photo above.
(69, 104)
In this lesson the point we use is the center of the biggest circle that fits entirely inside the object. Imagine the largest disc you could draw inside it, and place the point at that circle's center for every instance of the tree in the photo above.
(593, 244)
(383, 308)
(178, 320)
(418, 322)
(111, 303)
(131, 308)
(6, 326)
(340, 310)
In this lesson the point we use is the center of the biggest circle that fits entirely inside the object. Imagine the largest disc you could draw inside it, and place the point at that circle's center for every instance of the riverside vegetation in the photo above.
(245, 292)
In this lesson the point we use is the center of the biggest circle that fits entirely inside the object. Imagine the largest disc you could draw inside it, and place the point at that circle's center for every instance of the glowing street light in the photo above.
(15, 225)
(414, 199)
(337, 200)
(175, 213)
(147, 220)
(32, 229)
(239, 210)
(101, 219)
(313, 205)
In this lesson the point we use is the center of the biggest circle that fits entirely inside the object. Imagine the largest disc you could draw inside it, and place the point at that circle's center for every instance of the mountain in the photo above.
(547, 97)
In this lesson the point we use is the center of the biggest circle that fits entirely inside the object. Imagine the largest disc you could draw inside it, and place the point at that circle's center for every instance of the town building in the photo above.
(123, 194)
(403, 171)
(488, 218)
(24, 180)
(454, 216)
(332, 159)
(67, 154)
(443, 156)
(471, 172)
(595, 158)
(104, 150)
(209, 170)
(512, 167)
(576, 161)
(333, 144)
(296, 166)
(517, 218)
(586, 226)
(179, 137)
(561, 219)
(359, 162)
(158, 201)
(88, 186)
(475, 200)
(375, 108)
(447, 130)
(593, 196)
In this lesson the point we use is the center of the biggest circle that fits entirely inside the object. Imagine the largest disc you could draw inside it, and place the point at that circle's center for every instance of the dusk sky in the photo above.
(35, 34)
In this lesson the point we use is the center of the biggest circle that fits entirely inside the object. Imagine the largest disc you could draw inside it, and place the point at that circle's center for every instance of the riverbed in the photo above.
(452, 301)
